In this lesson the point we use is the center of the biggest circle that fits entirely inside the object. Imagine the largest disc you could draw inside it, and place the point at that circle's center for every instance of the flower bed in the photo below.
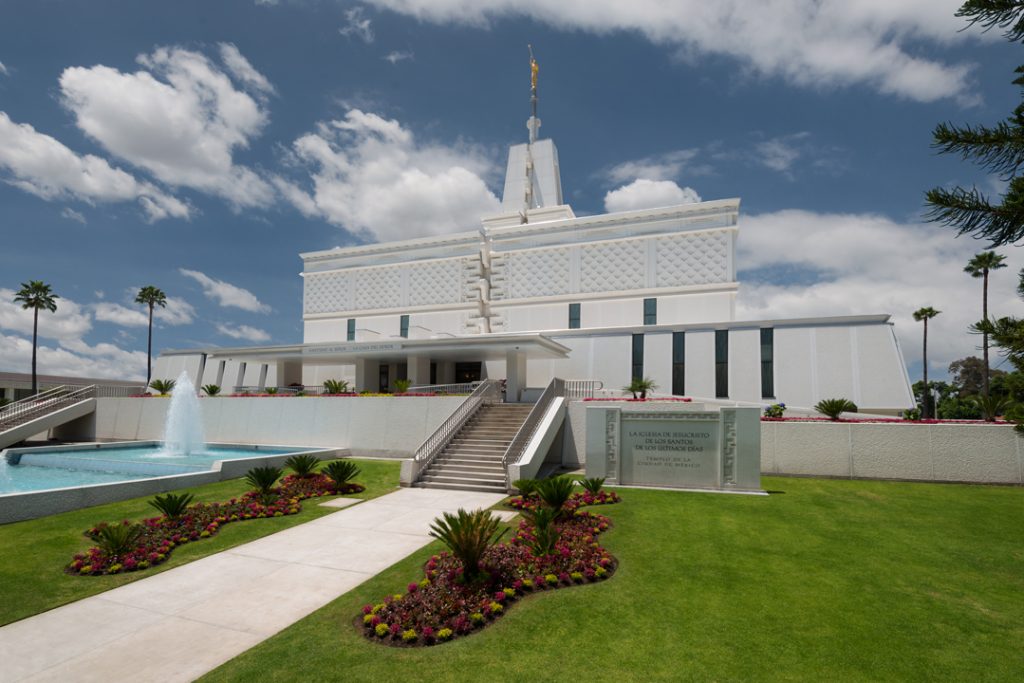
(677, 399)
(442, 607)
(884, 420)
(160, 535)
(577, 500)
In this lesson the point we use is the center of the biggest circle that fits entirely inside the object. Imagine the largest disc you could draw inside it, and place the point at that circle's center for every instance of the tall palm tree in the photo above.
(979, 266)
(924, 315)
(37, 295)
(150, 296)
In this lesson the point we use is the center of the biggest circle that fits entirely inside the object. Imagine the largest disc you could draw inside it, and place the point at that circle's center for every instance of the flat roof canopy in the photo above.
(467, 348)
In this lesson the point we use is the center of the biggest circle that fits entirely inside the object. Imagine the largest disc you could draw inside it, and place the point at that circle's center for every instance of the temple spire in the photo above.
(534, 123)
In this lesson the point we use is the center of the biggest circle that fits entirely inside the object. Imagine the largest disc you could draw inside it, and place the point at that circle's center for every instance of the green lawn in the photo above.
(33, 553)
(826, 580)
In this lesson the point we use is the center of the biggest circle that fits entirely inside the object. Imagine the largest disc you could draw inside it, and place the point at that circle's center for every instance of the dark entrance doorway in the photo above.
(467, 372)
(384, 382)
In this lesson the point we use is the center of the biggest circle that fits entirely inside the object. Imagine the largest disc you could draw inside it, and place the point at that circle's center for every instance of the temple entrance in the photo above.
(467, 372)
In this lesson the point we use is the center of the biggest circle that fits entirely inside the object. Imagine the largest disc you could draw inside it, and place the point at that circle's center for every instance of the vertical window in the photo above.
(574, 316)
(403, 326)
(638, 356)
(385, 381)
(767, 362)
(678, 363)
(721, 363)
(433, 373)
(351, 329)
(650, 311)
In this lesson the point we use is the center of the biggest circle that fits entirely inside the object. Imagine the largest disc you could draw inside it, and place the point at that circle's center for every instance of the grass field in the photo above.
(33, 553)
(824, 580)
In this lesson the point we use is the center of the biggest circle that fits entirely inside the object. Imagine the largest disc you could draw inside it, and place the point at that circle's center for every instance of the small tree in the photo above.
(640, 385)
(150, 296)
(38, 296)
(924, 315)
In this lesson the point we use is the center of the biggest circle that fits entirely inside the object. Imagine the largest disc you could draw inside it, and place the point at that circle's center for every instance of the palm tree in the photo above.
(979, 266)
(151, 296)
(924, 315)
(37, 295)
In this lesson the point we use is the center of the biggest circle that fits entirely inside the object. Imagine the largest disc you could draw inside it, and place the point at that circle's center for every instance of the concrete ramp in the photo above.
(45, 411)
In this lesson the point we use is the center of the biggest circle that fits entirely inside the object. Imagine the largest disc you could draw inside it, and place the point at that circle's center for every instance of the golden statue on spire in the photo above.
(534, 69)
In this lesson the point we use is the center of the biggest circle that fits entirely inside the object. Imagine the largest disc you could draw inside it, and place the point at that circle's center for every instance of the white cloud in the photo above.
(179, 117)
(42, 165)
(78, 359)
(120, 315)
(370, 174)
(396, 56)
(245, 332)
(226, 294)
(780, 153)
(806, 42)
(3, 70)
(73, 215)
(667, 166)
(648, 194)
(358, 25)
(176, 312)
(70, 321)
(842, 264)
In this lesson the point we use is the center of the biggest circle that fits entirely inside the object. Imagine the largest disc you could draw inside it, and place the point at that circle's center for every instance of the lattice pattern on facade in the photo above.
(378, 287)
(540, 272)
(613, 266)
(693, 259)
(436, 282)
(325, 293)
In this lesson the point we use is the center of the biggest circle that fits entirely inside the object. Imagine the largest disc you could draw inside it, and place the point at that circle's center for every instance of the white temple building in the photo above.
(538, 292)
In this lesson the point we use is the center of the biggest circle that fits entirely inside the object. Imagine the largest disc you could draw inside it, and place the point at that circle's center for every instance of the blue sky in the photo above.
(201, 146)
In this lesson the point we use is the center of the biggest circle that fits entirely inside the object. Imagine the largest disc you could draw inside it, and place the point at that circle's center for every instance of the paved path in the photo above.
(182, 623)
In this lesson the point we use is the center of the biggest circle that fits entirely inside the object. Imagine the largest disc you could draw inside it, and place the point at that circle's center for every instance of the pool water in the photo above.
(42, 469)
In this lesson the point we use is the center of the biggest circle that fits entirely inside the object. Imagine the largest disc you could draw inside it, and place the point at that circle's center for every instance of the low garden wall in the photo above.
(366, 426)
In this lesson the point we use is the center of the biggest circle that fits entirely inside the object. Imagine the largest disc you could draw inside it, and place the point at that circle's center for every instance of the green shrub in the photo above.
(555, 492)
(402, 386)
(445, 634)
(162, 386)
(263, 479)
(775, 410)
(303, 464)
(211, 389)
(118, 539)
(525, 487)
(640, 385)
(545, 533)
(172, 506)
(468, 535)
(832, 408)
(335, 386)
(990, 406)
(912, 414)
(341, 472)
(592, 485)
(271, 390)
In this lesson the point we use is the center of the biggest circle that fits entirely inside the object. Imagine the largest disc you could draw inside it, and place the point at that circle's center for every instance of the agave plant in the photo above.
(545, 533)
(303, 464)
(555, 492)
(117, 539)
(271, 390)
(640, 385)
(402, 385)
(263, 479)
(468, 535)
(526, 487)
(211, 389)
(341, 472)
(335, 386)
(832, 408)
(172, 506)
(162, 386)
(592, 485)
(991, 406)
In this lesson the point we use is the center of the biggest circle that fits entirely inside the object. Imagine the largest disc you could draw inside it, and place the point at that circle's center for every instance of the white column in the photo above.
(515, 375)
(367, 375)
(220, 373)
(200, 372)
(263, 376)
(240, 380)
(418, 369)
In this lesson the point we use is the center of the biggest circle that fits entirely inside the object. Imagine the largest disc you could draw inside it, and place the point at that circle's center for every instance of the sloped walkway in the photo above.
(182, 623)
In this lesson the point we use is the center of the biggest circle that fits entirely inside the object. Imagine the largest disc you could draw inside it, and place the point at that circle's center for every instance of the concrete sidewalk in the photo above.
(182, 623)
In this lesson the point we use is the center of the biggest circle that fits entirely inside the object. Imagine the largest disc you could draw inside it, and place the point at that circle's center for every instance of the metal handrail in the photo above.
(555, 389)
(456, 388)
(26, 409)
(486, 392)
(576, 389)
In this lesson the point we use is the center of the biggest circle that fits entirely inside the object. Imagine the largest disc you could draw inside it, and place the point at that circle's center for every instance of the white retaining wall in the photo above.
(374, 426)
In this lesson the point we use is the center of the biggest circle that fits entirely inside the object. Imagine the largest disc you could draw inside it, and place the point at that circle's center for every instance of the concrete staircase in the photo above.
(472, 459)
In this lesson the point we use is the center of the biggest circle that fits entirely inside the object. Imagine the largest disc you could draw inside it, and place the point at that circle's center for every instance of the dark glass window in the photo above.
(767, 363)
(574, 316)
(638, 356)
(721, 363)
(351, 329)
(650, 311)
(385, 382)
(403, 326)
(678, 363)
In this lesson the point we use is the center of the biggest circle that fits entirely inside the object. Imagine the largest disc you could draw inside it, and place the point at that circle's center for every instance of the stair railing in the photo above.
(555, 389)
(20, 412)
(576, 389)
(487, 392)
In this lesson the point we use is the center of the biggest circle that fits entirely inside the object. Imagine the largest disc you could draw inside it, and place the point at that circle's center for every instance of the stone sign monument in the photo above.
(696, 449)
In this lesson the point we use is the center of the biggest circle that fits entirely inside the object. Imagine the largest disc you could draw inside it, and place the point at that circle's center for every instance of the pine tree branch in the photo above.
(970, 212)
(999, 149)
(1007, 15)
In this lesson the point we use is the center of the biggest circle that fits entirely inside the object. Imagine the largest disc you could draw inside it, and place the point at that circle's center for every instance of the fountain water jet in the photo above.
(183, 431)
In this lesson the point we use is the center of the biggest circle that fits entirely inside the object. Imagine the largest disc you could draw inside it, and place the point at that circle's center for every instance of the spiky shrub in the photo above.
(991, 406)
(172, 506)
(262, 479)
(271, 390)
(303, 464)
(341, 472)
(402, 386)
(555, 492)
(640, 385)
(335, 386)
(211, 389)
(117, 539)
(545, 533)
(832, 408)
(592, 485)
(526, 487)
(162, 386)
(468, 535)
